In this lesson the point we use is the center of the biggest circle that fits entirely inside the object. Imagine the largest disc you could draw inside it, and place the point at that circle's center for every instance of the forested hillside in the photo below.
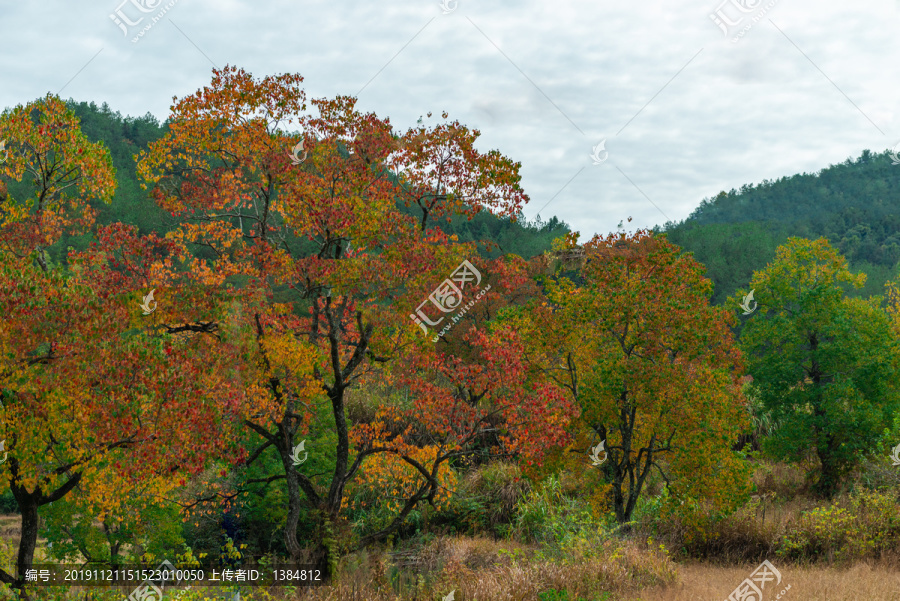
(855, 205)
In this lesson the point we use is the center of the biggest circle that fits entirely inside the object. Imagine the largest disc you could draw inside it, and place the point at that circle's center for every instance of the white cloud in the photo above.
(737, 113)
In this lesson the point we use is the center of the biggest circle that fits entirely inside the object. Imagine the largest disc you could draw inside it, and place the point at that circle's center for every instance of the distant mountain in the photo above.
(855, 205)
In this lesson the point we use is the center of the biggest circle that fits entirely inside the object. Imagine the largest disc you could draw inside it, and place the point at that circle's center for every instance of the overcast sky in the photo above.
(686, 107)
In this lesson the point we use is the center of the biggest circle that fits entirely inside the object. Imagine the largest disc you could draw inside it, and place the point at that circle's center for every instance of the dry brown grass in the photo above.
(478, 568)
(10, 526)
(785, 479)
(862, 582)
(695, 582)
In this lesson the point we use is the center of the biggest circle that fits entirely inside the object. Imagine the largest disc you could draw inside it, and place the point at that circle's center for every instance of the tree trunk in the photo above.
(635, 471)
(829, 478)
(619, 500)
(28, 503)
(294, 506)
(27, 543)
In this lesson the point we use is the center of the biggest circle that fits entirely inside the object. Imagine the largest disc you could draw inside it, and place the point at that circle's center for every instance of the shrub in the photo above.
(485, 501)
(8, 503)
(864, 526)
(547, 516)
(702, 533)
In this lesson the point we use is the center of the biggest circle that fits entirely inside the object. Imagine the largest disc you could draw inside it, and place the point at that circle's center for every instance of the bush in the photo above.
(485, 501)
(73, 534)
(701, 533)
(864, 526)
(564, 526)
(8, 503)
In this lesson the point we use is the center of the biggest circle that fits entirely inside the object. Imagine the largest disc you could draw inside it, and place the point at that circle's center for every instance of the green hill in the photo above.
(855, 205)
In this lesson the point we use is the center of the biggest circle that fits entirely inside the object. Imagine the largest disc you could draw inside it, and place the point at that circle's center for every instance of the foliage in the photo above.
(282, 287)
(8, 503)
(63, 170)
(730, 252)
(651, 365)
(187, 559)
(486, 500)
(69, 525)
(556, 595)
(824, 366)
(560, 524)
(231, 554)
(125, 135)
(386, 481)
(865, 526)
(315, 258)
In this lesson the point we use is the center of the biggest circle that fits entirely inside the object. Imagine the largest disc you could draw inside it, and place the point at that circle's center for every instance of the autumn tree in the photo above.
(472, 397)
(632, 339)
(87, 395)
(46, 149)
(313, 242)
(824, 366)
